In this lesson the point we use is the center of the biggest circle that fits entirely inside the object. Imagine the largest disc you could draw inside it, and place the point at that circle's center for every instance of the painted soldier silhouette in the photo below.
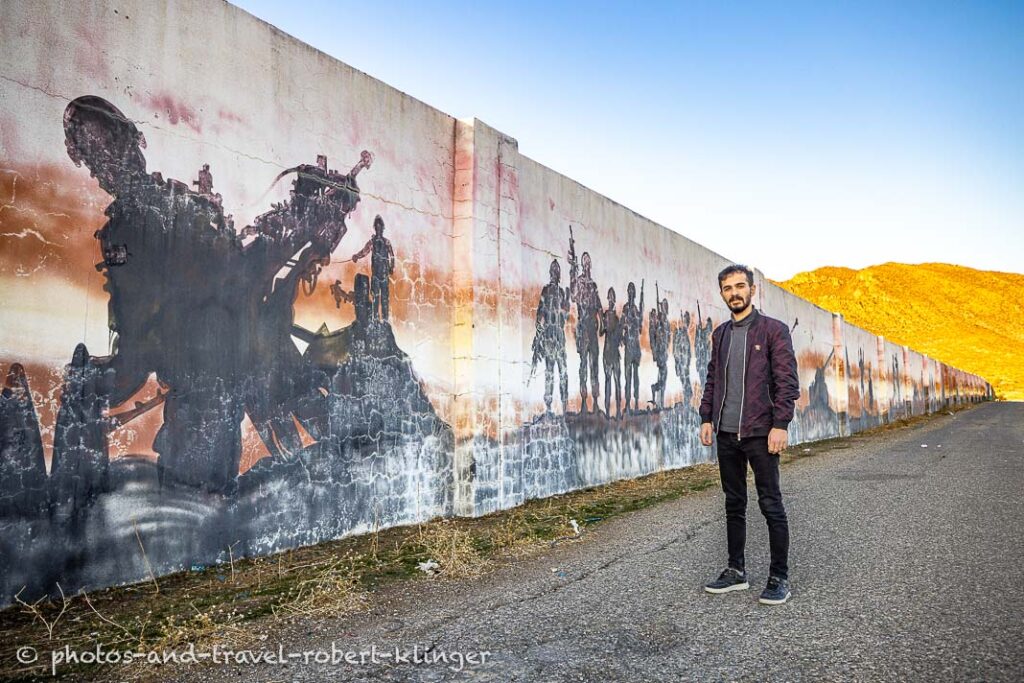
(702, 342)
(23, 488)
(632, 324)
(382, 265)
(549, 339)
(871, 390)
(79, 469)
(204, 183)
(583, 290)
(897, 379)
(612, 331)
(681, 354)
(659, 332)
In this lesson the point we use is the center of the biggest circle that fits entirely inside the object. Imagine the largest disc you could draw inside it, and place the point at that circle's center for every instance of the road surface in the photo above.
(906, 563)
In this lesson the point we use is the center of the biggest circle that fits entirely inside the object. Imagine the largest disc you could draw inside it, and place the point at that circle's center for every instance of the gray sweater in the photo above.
(735, 363)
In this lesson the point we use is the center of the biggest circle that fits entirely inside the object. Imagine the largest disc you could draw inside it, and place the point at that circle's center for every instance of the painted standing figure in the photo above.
(549, 340)
(612, 331)
(382, 265)
(660, 332)
(702, 342)
(682, 353)
(80, 463)
(897, 382)
(632, 324)
(23, 480)
(204, 183)
(584, 292)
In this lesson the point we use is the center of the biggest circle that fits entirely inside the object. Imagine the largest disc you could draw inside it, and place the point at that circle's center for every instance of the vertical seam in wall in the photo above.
(498, 311)
(456, 482)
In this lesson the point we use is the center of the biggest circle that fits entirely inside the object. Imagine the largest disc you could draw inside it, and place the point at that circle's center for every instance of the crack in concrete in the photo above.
(232, 150)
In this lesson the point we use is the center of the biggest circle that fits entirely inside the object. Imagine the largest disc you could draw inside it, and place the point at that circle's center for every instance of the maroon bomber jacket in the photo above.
(770, 382)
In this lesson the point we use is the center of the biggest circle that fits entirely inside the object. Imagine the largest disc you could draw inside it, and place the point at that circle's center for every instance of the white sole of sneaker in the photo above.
(737, 587)
(766, 601)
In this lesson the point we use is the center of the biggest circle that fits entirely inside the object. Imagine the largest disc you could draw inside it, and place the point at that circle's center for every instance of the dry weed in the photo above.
(333, 590)
(452, 548)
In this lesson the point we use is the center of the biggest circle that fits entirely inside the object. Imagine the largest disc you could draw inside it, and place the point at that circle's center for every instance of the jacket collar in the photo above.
(754, 315)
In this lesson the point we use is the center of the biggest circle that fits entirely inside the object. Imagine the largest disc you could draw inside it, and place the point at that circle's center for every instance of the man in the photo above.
(749, 392)
(382, 265)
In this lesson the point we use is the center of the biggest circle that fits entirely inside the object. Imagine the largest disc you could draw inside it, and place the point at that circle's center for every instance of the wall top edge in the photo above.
(284, 35)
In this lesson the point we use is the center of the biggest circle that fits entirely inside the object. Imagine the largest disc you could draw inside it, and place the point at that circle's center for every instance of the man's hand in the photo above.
(705, 433)
(778, 439)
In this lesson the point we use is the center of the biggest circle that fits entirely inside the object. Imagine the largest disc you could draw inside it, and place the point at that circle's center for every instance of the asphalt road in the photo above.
(906, 563)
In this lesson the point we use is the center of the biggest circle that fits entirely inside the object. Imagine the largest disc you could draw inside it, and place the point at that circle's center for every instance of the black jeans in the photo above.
(733, 455)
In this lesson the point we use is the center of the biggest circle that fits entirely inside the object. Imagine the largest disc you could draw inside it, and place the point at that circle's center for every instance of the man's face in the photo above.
(736, 292)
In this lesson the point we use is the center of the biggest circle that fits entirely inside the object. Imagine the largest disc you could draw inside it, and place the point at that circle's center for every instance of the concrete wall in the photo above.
(196, 362)
(306, 455)
(861, 367)
(822, 395)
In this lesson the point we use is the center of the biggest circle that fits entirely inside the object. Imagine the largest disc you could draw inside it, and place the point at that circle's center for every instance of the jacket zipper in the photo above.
(743, 386)
(725, 376)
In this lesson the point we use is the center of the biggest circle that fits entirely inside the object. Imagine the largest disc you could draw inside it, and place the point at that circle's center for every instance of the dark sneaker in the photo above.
(729, 580)
(776, 592)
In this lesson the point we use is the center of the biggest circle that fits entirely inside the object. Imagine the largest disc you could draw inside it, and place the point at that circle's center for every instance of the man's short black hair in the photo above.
(736, 268)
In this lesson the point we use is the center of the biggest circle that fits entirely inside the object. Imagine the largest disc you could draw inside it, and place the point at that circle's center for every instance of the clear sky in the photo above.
(786, 135)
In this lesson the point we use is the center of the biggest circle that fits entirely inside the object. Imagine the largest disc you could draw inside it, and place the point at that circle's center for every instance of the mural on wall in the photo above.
(206, 311)
(898, 405)
(582, 440)
(595, 431)
(817, 413)
(916, 381)
(860, 355)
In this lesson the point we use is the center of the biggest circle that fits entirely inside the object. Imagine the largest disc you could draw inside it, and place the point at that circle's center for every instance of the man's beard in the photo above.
(738, 304)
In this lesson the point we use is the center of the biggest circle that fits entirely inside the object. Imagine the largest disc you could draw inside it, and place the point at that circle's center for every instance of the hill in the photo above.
(971, 319)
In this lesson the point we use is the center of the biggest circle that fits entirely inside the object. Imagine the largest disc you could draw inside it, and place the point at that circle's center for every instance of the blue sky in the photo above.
(787, 135)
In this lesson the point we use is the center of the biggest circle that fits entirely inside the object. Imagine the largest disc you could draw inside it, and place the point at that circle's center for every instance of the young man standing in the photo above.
(749, 392)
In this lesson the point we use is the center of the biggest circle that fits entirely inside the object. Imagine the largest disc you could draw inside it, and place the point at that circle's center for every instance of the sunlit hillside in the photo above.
(971, 319)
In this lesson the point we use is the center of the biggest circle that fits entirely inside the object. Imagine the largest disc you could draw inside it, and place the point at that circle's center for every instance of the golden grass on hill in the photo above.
(970, 319)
